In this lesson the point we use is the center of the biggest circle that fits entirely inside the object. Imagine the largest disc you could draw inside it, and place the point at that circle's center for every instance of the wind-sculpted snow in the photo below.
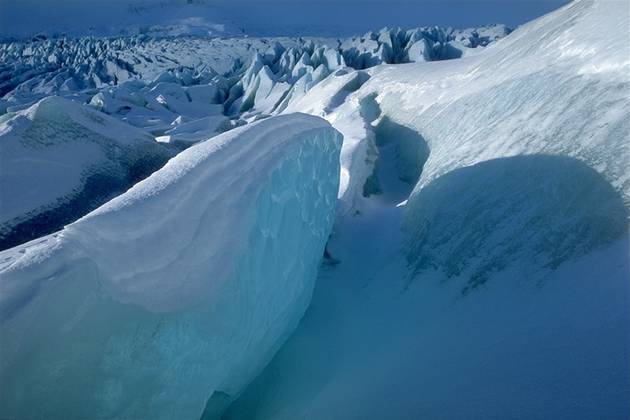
(479, 266)
(173, 296)
(59, 160)
(554, 87)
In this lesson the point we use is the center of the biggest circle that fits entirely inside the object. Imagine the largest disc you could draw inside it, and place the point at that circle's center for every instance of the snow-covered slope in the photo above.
(570, 101)
(59, 160)
(178, 292)
(501, 287)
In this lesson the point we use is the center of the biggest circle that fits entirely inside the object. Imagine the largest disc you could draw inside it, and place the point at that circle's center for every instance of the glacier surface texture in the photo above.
(410, 223)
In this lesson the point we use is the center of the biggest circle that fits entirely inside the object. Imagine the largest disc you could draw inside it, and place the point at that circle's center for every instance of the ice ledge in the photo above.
(186, 284)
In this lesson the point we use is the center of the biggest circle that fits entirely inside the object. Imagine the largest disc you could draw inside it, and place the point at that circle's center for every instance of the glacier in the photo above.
(176, 293)
(81, 68)
(410, 223)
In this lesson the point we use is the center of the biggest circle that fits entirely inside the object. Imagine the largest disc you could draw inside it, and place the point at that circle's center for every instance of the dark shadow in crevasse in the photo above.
(401, 155)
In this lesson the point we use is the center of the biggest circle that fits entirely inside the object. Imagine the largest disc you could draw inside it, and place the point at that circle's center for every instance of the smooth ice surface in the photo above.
(179, 291)
(59, 160)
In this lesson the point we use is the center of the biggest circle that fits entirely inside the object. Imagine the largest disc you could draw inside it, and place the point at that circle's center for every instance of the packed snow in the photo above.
(178, 292)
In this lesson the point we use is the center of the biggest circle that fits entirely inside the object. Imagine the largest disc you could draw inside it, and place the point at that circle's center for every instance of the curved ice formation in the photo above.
(60, 160)
(522, 213)
(555, 86)
(179, 291)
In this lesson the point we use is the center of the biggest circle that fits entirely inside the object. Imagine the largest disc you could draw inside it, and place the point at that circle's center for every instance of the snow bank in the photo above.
(60, 160)
(557, 85)
(179, 291)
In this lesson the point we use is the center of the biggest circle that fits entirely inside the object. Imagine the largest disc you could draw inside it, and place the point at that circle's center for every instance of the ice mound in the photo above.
(179, 291)
(60, 160)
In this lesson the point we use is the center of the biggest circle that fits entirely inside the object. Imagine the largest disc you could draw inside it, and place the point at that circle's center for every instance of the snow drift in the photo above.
(60, 160)
(178, 292)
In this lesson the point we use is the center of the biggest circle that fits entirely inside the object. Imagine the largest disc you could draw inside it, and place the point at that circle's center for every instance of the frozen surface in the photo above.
(262, 70)
(187, 89)
(59, 160)
(500, 287)
(179, 291)
(479, 262)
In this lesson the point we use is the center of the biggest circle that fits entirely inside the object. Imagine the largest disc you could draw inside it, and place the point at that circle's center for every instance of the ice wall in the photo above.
(178, 292)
